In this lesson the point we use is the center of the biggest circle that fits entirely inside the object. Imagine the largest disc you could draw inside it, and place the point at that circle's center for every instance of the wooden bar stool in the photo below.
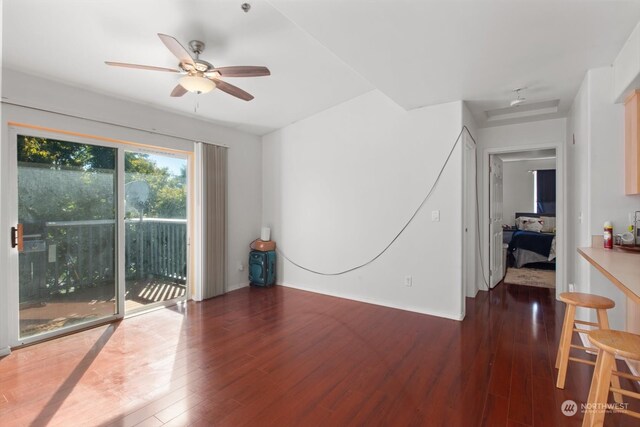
(611, 344)
(573, 300)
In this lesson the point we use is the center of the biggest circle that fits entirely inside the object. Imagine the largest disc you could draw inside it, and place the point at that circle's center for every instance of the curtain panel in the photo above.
(546, 191)
(214, 220)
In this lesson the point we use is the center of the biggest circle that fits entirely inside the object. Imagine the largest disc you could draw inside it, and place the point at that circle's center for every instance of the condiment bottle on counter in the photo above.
(608, 235)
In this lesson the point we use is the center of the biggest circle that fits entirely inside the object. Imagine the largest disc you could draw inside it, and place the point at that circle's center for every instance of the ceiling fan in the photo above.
(200, 76)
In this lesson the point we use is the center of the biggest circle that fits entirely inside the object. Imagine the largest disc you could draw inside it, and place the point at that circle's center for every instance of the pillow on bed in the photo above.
(548, 224)
(529, 224)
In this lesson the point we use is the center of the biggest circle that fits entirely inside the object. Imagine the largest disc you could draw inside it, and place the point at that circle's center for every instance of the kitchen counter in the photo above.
(622, 268)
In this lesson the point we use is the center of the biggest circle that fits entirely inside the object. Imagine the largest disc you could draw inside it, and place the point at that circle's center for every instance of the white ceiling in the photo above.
(429, 52)
(69, 40)
(322, 53)
(519, 156)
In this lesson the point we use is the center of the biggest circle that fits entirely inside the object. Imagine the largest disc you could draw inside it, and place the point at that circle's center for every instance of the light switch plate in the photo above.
(435, 216)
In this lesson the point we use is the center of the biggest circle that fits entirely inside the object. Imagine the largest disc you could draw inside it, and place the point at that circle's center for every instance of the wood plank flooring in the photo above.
(284, 357)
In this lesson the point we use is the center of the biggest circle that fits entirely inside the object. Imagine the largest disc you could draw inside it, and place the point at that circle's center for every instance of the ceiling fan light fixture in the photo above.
(197, 84)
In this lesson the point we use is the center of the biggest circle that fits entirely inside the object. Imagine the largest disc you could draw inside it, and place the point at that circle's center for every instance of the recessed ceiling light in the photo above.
(522, 111)
(519, 99)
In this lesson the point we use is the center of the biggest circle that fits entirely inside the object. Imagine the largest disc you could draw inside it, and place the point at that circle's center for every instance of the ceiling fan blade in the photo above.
(178, 91)
(177, 49)
(233, 90)
(243, 71)
(141, 67)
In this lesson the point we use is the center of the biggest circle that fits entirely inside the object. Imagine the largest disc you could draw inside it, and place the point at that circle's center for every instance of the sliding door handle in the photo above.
(17, 237)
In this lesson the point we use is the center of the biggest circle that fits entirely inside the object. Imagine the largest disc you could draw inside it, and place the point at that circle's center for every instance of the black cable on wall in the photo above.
(415, 213)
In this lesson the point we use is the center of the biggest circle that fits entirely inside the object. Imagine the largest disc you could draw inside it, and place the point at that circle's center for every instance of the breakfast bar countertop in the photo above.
(622, 268)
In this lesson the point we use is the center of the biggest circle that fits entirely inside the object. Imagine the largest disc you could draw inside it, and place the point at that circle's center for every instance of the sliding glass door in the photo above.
(98, 230)
(155, 229)
(67, 203)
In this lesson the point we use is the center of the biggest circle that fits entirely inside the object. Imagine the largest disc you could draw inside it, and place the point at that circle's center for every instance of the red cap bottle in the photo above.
(608, 235)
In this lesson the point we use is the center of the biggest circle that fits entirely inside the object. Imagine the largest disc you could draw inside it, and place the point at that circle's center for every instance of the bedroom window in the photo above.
(544, 191)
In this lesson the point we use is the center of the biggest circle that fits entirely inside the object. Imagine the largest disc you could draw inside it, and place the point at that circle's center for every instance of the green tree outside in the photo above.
(85, 185)
(60, 181)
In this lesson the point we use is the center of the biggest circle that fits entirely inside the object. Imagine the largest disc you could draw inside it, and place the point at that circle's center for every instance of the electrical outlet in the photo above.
(408, 281)
(240, 266)
(572, 287)
(435, 216)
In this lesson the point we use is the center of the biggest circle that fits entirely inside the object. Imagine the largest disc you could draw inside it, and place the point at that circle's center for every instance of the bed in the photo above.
(534, 241)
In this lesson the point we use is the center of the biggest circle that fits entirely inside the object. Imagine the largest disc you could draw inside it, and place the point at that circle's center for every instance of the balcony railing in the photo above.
(63, 256)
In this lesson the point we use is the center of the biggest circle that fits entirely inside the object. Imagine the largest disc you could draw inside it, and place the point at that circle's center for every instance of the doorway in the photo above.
(522, 218)
(67, 196)
(100, 231)
(155, 230)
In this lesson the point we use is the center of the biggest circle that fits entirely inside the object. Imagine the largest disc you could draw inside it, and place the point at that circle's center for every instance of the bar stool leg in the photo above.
(599, 391)
(565, 328)
(564, 348)
(603, 321)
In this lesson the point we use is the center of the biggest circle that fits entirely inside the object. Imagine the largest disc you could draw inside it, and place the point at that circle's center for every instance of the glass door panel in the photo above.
(67, 206)
(155, 229)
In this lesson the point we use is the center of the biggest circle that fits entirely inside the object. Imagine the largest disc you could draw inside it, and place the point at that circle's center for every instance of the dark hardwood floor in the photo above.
(284, 357)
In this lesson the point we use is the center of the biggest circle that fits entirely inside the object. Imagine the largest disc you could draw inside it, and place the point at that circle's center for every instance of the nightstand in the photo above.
(507, 233)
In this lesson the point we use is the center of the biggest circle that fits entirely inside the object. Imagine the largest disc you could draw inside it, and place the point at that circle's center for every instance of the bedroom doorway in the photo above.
(522, 218)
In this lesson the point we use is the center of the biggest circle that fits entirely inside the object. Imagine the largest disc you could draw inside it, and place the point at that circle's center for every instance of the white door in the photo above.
(496, 259)
(96, 229)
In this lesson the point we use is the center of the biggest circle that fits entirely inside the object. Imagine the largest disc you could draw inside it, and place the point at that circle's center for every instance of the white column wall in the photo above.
(339, 185)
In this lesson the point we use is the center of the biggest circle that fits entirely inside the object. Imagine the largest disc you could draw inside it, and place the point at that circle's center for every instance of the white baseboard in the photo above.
(632, 369)
(375, 302)
(237, 286)
(586, 343)
(5, 351)
(482, 287)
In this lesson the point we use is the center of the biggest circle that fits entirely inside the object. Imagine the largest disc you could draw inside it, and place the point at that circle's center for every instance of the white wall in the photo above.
(338, 186)
(608, 202)
(578, 159)
(471, 255)
(245, 150)
(4, 234)
(607, 152)
(518, 186)
(598, 173)
(511, 138)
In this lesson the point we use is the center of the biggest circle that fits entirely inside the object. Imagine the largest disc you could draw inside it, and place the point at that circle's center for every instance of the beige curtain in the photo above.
(214, 220)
